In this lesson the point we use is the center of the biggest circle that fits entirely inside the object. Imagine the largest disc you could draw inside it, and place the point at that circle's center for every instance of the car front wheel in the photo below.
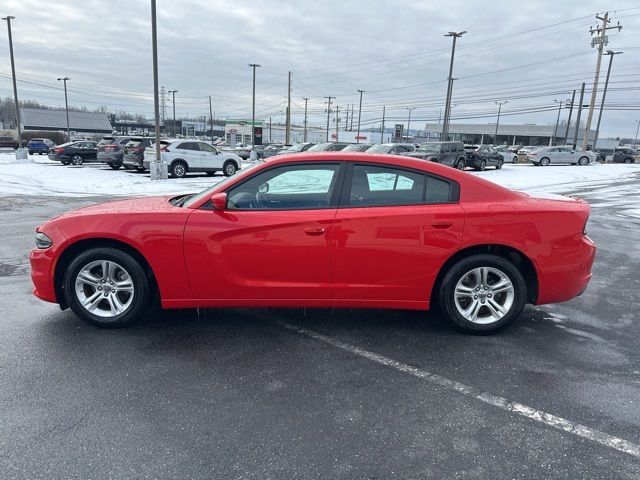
(460, 164)
(482, 293)
(583, 161)
(515, 159)
(229, 168)
(545, 162)
(106, 287)
(77, 160)
(499, 165)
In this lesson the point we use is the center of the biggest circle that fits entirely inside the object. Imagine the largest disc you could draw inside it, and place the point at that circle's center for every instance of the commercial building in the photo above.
(80, 123)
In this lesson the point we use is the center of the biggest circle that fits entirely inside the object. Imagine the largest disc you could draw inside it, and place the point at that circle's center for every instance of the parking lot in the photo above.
(272, 393)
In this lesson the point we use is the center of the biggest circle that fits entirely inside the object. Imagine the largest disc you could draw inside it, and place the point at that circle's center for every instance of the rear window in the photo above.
(37, 140)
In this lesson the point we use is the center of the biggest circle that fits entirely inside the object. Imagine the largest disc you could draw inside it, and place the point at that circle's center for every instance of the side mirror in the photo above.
(219, 201)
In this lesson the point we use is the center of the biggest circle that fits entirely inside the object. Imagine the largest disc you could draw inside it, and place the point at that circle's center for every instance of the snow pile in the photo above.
(49, 178)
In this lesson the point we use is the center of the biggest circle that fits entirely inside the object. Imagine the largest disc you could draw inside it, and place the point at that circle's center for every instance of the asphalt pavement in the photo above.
(305, 393)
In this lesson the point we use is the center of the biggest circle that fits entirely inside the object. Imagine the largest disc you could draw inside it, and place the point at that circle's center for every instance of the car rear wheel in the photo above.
(515, 159)
(77, 160)
(460, 164)
(115, 166)
(627, 160)
(583, 161)
(482, 293)
(545, 162)
(499, 165)
(178, 169)
(229, 168)
(482, 166)
(30, 153)
(106, 287)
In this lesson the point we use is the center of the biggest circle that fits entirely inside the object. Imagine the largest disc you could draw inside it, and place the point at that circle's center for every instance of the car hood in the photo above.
(125, 207)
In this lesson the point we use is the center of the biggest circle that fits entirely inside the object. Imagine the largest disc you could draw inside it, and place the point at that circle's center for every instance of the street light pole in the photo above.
(495, 137)
(253, 105)
(173, 103)
(447, 105)
(555, 132)
(306, 99)
(15, 87)
(329, 98)
(409, 121)
(66, 105)
(635, 141)
(157, 168)
(359, 116)
(611, 54)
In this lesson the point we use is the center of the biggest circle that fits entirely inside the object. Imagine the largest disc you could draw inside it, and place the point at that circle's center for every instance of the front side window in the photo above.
(291, 187)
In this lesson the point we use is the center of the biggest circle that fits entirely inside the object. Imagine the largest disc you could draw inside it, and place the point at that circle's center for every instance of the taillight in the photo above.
(59, 150)
(165, 148)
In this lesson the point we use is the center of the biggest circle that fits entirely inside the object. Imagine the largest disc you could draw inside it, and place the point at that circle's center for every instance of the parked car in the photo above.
(327, 147)
(507, 153)
(447, 153)
(296, 148)
(8, 142)
(286, 233)
(111, 151)
(603, 153)
(75, 153)
(479, 157)
(39, 146)
(527, 149)
(133, 152)
(183, 156)
(392, 148)
(271, 150)
(357, 147)
(548, 155)
(624, 155)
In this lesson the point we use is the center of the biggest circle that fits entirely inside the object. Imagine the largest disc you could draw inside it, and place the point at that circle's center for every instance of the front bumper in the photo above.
(42, 272)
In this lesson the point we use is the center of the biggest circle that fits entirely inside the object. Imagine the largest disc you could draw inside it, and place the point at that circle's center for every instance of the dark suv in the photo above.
(624, 155)
(480, 157)
(134, 152)
(111, 151)
(446, 153)
(8, 142)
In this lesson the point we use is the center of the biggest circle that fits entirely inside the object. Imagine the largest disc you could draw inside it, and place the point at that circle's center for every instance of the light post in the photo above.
(611, 54)
(157, 168)
(173, 103)
(20, 154)
(495, 137)
(409, 121)
(555, 132)
(447, 105)
(635, 140)
(66, 105)
(306, 99)
(253, 105)
(359, 116)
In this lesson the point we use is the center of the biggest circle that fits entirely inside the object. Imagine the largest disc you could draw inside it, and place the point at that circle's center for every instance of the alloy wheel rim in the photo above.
(230, 169)
(484, 295)
(179, 170)
(104, 288)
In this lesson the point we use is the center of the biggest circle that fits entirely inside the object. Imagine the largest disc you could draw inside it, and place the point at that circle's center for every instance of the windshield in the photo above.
(206, 193)
(430, 148)
(296, 147)
(379, 149)
(320, 147)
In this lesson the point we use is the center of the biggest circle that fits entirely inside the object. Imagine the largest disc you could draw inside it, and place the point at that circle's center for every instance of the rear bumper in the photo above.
(104, 157)
(567, 273)
(133, 161)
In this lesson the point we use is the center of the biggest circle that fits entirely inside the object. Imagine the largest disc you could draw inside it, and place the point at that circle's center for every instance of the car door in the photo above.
(210, 157)
(393, 230)
(271, 245)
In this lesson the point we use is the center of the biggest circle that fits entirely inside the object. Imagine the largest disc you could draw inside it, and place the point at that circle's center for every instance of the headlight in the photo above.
(42, 241)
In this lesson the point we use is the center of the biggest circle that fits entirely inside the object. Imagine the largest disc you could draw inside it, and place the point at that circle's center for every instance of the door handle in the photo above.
(441, 223)
(314, 231)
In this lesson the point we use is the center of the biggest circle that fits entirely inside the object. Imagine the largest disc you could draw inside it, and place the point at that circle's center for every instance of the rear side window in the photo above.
(188, 146)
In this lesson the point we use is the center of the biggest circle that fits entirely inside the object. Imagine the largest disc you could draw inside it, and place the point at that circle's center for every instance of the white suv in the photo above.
(182, 156)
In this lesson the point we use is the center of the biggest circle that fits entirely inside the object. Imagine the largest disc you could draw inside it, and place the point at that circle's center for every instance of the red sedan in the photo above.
(321, 230)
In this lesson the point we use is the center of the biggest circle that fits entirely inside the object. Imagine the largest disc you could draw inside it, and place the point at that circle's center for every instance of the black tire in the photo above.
(140, 169)
(545, 162)
(229, 168)
(483, 165)
(211, 174)
(515, 159)
(64, 162)
(178, 169)
(77, 160)
(499, 165)
(460, 164)
(115, 166)
(141, 281)
(459, 270)
(582, 161)
(628, 160)
(30, 153)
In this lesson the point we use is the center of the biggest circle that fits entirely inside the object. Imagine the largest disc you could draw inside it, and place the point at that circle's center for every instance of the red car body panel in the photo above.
(383, 256)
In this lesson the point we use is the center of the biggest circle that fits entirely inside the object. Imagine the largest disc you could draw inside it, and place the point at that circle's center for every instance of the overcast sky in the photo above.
(528, 53)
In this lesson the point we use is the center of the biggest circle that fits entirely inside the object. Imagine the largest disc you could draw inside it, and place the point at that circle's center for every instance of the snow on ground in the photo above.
(45, 177)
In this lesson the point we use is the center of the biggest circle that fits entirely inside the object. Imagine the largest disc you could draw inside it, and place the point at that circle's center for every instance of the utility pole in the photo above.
(352, 115)
(600, 40)
(346, 119)
(306, 99)
(157, 168)
(384, 107)
(211, 117)
(163, 105)
(173, 102)
(409, 122)
(495, 137)
(635, 140)
(359, 116)
(566, 131)
(447, 105)
(611, 54)
(66, 105)
(15, 87)
(329, 98)
(555, 131)
(269, 129)
(287, 135)
(253, 105)
(575, 135)
(337, 121)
